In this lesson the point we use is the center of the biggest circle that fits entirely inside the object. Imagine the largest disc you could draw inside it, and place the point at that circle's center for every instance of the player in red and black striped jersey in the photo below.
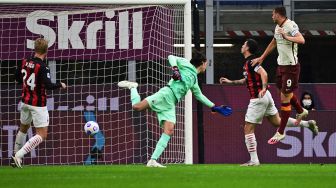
(34, 75)
(253, 78)
(261, 102)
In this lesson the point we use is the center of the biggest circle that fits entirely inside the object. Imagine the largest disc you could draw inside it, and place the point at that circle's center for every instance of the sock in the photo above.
(135, 97)
(295, 102)
(251, 145)
(284, 114)
(291, 123)
(31, 144)
(19, 141)
(160, 146)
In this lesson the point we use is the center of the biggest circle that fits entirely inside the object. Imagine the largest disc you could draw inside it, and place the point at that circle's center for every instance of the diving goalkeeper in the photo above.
(163, 102)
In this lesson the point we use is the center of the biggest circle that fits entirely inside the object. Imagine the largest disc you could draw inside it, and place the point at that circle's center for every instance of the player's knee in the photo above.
(43, 132)
(44, 137)
(24, 128)
(169, 131)
(248, 128)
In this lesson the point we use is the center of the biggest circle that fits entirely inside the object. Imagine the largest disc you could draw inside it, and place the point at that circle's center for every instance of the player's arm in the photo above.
(223, 110)
(297, 37)
(264, 79)
(271, 46)
(47, 81)
(200, 97)
(224, 80)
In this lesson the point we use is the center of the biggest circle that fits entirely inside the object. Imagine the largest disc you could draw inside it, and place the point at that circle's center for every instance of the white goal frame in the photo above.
(187, 47)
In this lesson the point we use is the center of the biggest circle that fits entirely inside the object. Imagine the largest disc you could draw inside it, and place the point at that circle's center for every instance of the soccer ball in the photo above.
(91, 128)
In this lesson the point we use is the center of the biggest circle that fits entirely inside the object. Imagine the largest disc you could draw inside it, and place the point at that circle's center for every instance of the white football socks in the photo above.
(20, 140)
(251, 145)
(31, 144)
(291, 123)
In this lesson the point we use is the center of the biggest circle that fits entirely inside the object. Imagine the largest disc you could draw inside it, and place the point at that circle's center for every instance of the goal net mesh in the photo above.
(91, 49)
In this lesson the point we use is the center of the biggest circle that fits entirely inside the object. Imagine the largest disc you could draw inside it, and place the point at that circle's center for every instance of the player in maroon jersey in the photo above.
(34, 75)
(261, 102)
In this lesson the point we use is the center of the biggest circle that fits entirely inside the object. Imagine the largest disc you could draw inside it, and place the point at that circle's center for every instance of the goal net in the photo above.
(91, 49)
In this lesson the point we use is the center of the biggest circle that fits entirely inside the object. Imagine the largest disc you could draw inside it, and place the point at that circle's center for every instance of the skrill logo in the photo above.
(68, 36)
(322, 145)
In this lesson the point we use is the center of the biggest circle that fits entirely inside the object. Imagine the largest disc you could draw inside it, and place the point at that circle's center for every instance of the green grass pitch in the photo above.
(204, 176)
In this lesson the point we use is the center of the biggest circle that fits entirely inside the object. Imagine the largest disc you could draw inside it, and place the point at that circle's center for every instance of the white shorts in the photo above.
(258, 108)
(39, 115)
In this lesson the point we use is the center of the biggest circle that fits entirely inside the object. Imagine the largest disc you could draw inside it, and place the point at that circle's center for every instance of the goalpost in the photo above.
(92, 46)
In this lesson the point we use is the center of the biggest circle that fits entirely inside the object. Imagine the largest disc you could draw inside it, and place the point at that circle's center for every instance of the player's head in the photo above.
(250, 46)
(199, 61)
(41, 46)
(278, 14)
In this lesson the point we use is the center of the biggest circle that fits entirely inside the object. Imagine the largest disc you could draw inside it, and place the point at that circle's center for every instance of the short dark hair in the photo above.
(253, 46)
(280, 10)
(198, 59)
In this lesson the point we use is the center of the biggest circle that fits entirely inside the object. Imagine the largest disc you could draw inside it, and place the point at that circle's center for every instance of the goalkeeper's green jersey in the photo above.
(189, 80)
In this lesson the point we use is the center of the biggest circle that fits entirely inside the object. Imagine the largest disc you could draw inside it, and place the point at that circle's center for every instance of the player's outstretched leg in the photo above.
(31, 144)
(310, 124)
(135, 97)
(41, 134)
(127, 84)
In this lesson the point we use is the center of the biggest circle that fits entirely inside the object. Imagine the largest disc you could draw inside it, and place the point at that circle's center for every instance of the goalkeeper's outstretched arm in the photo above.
(223, 110)
(200, 97)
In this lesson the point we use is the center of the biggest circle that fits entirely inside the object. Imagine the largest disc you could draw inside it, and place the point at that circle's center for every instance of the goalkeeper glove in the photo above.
(224, 110)
(176, 73)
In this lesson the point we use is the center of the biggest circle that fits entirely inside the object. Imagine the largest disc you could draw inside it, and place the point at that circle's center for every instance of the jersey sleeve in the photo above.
(172, 60)
(45, 75)
(200, 97)
(177, 61)
(293, 29)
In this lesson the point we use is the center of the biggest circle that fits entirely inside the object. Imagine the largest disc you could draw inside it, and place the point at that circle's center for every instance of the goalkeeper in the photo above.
(163, 102)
